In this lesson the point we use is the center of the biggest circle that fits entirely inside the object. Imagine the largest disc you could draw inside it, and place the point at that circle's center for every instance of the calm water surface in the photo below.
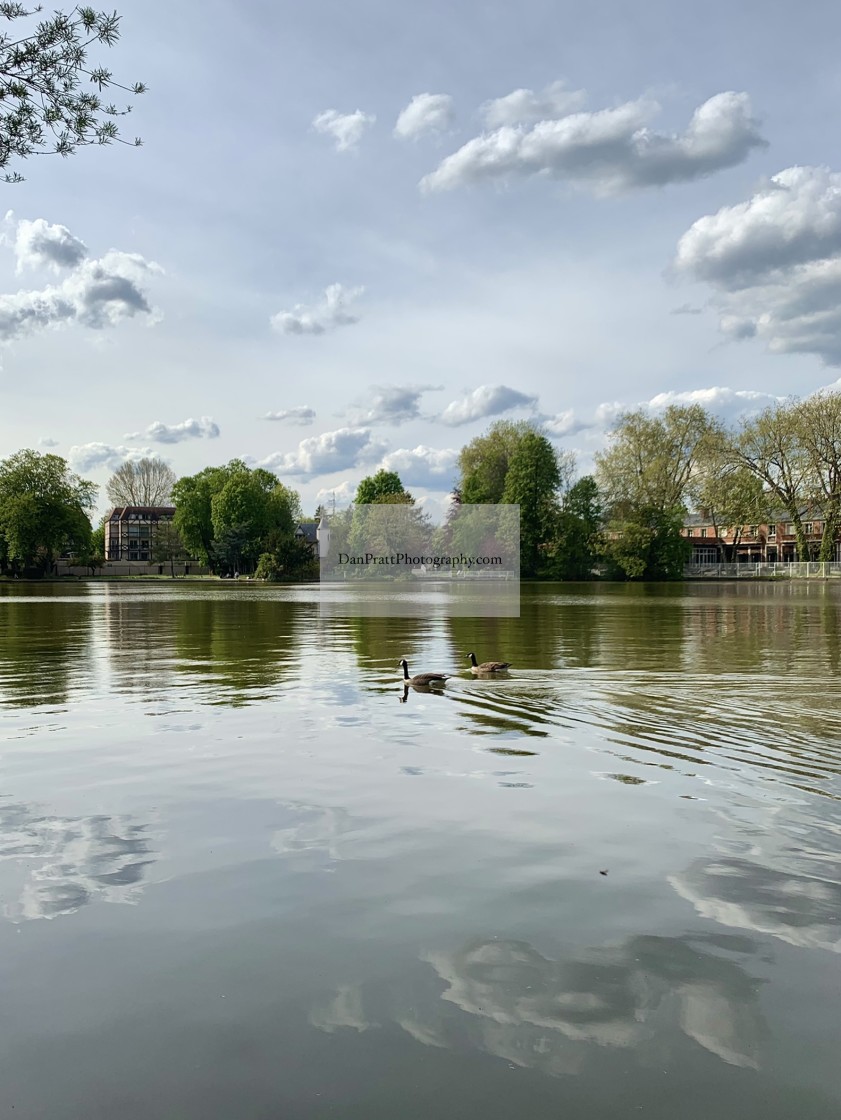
(241, 878)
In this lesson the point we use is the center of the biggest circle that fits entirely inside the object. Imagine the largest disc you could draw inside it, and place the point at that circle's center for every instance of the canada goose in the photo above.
(422, 680)
(488, 666)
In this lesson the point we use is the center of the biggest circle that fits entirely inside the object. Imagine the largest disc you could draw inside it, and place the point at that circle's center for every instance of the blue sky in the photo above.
(584, 207)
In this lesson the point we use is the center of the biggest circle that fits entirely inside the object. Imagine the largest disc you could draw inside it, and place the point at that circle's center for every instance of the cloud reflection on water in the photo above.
(69, 862)
(546, 1014)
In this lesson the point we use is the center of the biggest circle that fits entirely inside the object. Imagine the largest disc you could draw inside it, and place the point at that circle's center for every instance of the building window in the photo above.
(772, 532)
(753, 530)
(790, 529)
(808, 528)
(703, 532)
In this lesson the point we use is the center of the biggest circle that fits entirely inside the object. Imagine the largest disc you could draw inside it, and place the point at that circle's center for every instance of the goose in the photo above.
(488, 666)
(422, 680)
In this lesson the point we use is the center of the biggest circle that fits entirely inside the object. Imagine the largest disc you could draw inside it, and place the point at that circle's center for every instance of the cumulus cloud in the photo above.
(302, 416)
(610, 150)
(774, 263)
(343, 495)
(327, 453)
(563, 424)
(429, 467)
(91, 456)
(97, 294)
(427, 112)
(686, 309)
(720, 400)
(726, 403)
(45, 441)
(204, 428)
(393, 404)
(524, 106)
(37, 244)
(487, 400)
(333, 311)
(346, 129)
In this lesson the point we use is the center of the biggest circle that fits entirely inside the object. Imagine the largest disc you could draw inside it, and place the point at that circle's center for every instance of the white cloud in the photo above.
(774, 262)
(393, 404)
(346, 129)
(427, 112)
(793, 219)
(487, 400)
(719, 400)
(726, 403)
(343, 493)
(327, 453)
(91, 456)
(331, 312)
(301, 416)
(204, 428)
(37, 244)
(611, 150)
(563, 424)
(45, 441)
(98, 294)
(428, 467)
(524, 106)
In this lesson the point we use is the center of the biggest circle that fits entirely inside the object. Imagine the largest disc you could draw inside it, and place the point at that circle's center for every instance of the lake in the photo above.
(241, 876)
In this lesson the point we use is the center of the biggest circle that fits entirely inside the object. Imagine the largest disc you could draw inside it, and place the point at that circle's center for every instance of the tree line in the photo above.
(623, 521)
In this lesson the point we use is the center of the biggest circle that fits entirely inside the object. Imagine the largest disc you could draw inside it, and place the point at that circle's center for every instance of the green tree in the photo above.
(379, 487)
(167, 546)
(770, 447)
(577, 543)
(647, 545)
(650, 460)
(730, 497)
(818, 425)
(192, 496)
(483, 463)
(43, 105)
(44, 510)
(228, 516)
(93, 557)
(532, 482)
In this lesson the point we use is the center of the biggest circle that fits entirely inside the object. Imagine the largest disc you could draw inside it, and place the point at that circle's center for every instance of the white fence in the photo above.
(811, 570)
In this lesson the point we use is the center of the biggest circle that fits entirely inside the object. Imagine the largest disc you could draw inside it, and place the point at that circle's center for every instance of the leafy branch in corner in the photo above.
(51, 98)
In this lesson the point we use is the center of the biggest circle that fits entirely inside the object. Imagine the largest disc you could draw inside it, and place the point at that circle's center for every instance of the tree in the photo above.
(167, 545)
(192, 496)
(228, 516)
(818, 425)
(384, 485)
(651, 459)
(90, 553)
(577, 543)
(532, 482)
(770, 447)
(647, 545)
(148, 482)
(726, 493)
(43, 511)
(43, 106)
(483, 463)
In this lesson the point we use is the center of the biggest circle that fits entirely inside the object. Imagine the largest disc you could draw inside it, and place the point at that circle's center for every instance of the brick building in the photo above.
(769, 542)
